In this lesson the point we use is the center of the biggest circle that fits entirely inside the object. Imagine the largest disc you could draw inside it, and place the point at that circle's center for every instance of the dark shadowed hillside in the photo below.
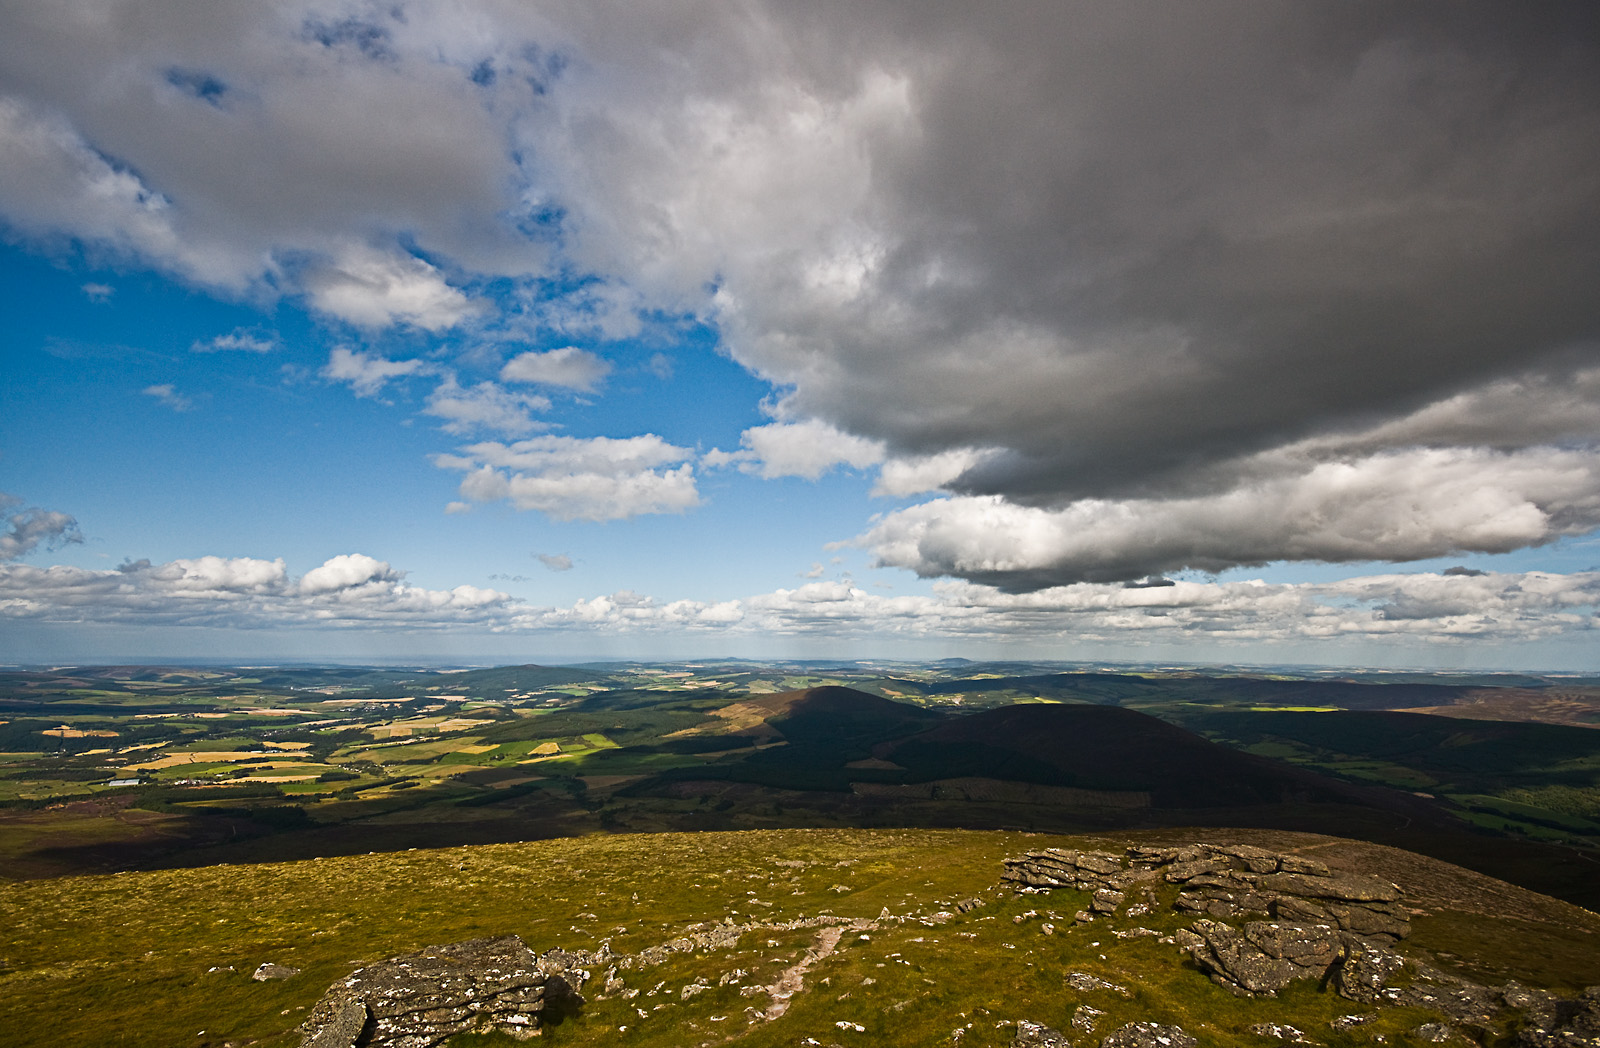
(1105, 748)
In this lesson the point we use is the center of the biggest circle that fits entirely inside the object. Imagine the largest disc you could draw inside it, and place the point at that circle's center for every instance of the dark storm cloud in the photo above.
(1132, 240)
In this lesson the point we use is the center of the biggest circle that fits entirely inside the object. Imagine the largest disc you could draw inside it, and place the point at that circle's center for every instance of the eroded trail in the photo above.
(793, 980)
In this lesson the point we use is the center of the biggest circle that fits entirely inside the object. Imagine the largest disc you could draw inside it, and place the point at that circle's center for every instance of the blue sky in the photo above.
(344, 329)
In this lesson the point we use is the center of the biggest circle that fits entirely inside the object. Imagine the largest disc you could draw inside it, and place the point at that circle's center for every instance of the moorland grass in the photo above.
(153, 959)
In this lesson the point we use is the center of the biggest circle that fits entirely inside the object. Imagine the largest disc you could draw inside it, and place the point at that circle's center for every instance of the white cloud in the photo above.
(344, 572)
(1407, 610)
(357, 591)
(797, 449)
(570, 478)
(351, 590)
(554, 561)
(483, 406)
(454, 508)
(367, 373)
(570, 367)
(98, 292)
(375, 289)
(239, 340)
(1391, 506)
(913, 476)
(33, 527)
(168, 395)
(215, 576)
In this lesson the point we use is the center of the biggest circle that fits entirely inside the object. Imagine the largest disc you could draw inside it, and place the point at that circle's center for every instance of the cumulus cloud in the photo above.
(367, 373)
(483, 406)
(554, 561)
(570, 368)
(571, 478)
(376, 288)
(239, 340)
(344, 572)
(1431, 609)
(98, 292)
(355, 591)
(919, 474)
(1391, 506)
(167, 394)
(797, 449)
(33, 527)
(350, 590)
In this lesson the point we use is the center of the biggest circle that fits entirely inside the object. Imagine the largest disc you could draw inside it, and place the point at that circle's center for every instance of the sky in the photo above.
(557, 330)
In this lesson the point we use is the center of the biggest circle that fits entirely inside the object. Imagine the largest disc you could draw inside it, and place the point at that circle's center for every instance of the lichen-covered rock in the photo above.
(1349, 888)
(1366, 972)
(1225, 881)
(344, 1028)
(1106, 900)
(1036, 1035)
(1266, 956)
(269, 971)
(1280, 1032)
(1149, 1035)
(1551, 1022)
(419, 999)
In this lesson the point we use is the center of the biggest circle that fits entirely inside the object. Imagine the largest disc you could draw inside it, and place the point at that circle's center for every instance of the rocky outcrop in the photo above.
(1222, 881)
(419, 999)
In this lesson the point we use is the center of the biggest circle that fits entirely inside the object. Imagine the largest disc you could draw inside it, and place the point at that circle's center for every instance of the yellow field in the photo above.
(173, 760)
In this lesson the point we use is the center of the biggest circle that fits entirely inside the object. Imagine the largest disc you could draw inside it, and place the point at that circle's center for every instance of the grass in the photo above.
(154, 958)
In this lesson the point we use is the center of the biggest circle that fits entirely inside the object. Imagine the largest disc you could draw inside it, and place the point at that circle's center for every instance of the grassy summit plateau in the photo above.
(165, 957)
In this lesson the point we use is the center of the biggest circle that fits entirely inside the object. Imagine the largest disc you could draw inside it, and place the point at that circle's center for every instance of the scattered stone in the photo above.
(1149, 1035)
(419, 999)
(968, 905)
(1036, 1035)
(1083, 982)
(1106, 900)
(1346, 1022)
(1086, 1018)
(1279, 1032)
(1083, 917)
(1432, 1033)
(269, 971)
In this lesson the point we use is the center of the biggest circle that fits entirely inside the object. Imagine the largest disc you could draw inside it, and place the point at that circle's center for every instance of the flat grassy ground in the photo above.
(163, 958)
